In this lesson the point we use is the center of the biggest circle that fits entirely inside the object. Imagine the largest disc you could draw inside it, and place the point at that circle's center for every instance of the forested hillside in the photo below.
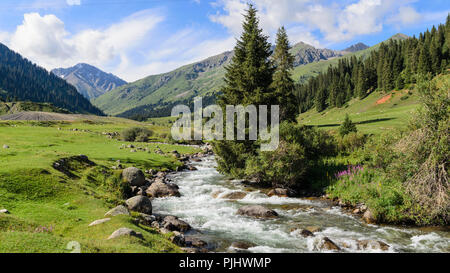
(21, 80)
(393, 66)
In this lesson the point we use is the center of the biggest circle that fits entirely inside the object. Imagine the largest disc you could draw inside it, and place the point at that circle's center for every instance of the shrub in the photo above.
(136, 134)
(351, 142)
(285, 167)
(347, 127)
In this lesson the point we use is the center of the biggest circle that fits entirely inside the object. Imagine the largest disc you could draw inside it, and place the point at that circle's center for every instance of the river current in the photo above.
(216, 222)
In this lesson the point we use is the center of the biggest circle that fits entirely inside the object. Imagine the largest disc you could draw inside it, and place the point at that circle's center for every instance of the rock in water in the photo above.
(242, 245)
(372, 244)
(280, 192)
(119, 210)
(327, 244)
(125, 232)
(172, 223)
(98, 222)
(257, 211)
(306, 233)
(160, 189)
(134, 176)
(368, 217)
(234, 195)
(140, 204)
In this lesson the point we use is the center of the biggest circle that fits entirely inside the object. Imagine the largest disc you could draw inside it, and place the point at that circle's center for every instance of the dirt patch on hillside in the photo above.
(39, 116)
(384, 99)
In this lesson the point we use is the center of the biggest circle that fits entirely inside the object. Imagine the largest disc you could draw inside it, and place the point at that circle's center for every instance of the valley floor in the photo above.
(48, 209)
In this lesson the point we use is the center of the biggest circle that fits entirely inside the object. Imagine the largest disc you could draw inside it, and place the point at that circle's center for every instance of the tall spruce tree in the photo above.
(248, 81)
(283, 84)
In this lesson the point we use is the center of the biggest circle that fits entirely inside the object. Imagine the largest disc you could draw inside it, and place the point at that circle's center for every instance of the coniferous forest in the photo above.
(393, 66)
(22, 80)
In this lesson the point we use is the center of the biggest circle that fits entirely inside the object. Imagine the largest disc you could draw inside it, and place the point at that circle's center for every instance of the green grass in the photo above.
(371, 118)
(39, 196)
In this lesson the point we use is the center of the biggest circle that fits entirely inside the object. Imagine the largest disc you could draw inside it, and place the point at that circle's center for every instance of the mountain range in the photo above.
(90, 81)
(156, 95)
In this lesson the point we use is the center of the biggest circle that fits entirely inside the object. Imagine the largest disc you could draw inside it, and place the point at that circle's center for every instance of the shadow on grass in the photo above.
(357, 123)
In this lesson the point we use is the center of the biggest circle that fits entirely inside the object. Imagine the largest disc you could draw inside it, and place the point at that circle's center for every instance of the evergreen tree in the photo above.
(347, 126)
(282, 78)
(248, 81)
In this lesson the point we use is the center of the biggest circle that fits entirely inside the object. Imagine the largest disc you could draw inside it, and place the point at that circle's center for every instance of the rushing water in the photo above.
(216, 222)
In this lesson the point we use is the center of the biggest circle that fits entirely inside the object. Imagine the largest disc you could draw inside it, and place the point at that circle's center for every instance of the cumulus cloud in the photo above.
(45, 40)
(336, 22)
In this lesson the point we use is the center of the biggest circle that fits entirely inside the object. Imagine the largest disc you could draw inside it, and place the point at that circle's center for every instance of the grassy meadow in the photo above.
(49, 209)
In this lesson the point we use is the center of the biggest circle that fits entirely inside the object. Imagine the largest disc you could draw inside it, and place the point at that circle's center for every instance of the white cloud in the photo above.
(73, 2)
(406, 16)
(45, 40)
(132, 48)
(336, 22)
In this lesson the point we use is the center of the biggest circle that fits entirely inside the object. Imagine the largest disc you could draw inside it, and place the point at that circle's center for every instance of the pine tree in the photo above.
(248, 81)
(347, 126)
(282, 80)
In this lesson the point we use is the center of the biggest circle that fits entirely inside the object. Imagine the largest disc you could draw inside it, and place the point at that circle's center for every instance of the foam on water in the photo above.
(219, 225)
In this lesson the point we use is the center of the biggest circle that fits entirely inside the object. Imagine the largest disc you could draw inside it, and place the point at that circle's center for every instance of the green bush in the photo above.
(138, 134)
(351, 142)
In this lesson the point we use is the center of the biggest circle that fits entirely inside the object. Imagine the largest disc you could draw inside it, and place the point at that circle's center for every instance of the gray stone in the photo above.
(119, 210)
(172, 223)
(234, 195)
(257, 211)
(125, 232)
(5, 211)
(98, 222)
(5, 146)
(140, 203)
(159, 189)
(134, 176)
(368, 217)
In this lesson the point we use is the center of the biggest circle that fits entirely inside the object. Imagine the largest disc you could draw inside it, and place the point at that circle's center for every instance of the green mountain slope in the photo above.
(156, 95)
(304, 72)
(21, 80)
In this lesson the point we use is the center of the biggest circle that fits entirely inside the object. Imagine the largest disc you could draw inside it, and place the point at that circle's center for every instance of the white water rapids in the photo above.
(217, 223)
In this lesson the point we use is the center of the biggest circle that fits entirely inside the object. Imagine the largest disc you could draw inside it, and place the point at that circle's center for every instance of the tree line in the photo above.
(24, 81)
(395, 65)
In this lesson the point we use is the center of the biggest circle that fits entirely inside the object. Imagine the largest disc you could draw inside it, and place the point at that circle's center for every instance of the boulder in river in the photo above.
(280, 192)
(372, 244)
(306, 233)
(125, 232)
(160, 189)
(195, 242)
(140, 204)
(242, 245)
(368, 217)
(327, 244)
(119, 210)
(235, 195)
(257, 211)
(172, 223)
(134, 176)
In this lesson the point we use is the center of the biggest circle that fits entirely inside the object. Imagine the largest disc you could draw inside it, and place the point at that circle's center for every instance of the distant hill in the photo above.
(21, 80)
(90, 81)
(356, 47)
(155, 95)
(305, 72)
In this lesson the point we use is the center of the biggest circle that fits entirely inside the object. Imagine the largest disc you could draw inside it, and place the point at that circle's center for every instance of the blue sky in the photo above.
(137, 38)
